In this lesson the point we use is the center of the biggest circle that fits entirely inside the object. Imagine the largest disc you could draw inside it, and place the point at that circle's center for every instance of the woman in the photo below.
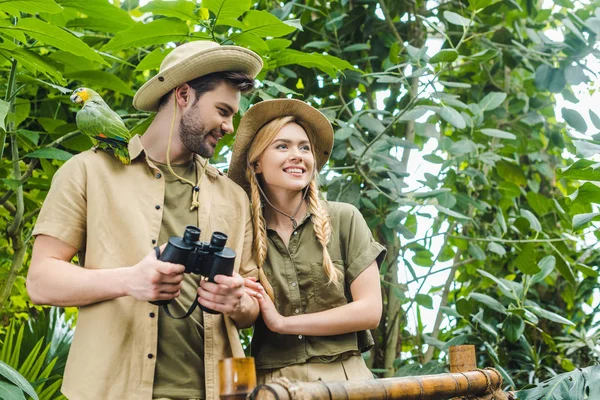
(319, 281)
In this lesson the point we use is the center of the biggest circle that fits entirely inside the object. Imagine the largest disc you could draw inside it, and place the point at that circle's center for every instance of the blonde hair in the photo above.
(320, 217)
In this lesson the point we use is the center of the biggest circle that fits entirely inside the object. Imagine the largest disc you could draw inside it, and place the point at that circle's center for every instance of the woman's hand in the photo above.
(274, 321)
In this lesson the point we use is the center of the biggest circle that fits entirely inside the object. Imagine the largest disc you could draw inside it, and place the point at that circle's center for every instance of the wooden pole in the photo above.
(426, 387)
(237, 378)
(462, 358)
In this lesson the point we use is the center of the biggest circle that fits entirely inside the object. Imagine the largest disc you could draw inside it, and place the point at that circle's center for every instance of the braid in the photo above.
(260, 232)
(322, 225)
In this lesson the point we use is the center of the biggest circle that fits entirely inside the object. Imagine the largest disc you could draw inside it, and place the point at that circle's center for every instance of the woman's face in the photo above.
(288, 162)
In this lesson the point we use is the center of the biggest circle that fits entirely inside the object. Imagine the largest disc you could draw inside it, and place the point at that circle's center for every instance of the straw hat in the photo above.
(193, 60)
(318, 129)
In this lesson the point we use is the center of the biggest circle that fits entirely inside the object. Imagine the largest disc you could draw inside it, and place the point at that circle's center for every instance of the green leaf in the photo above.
(457, 19)
(451, 213)
(489, 301)
(476, 251)
(9, 391)
(13, 376)
(4, 106)
(181, 9)
(595, 119)
(250, 40)
(534, 224)
(453, 117)
(492, 101)
(460, 85)
(526, 260)
(484, 55)
(547, 78)
(159, 31)
(153, 60)
(281, 88)
(540, 312)
(57, 37)
(413, 115)
(513, 328)
(50, 153)
(496, 248)
(15, 7)
(224, 9)
(586, 270)
(565, 270)
(101, 10)
(580, 220)
(445, 55)
(574, 75)
(344, 133)
(264, 24)
(480, 4)
(587, 170)
(33, 62)
(101, 79)
(357, 47)
(571, 26)
(424, 300)
(373, 125)
(278, 44)
(32, 136)
(309, 60)
(574, 119)
(318, 44)
(586, 148)
(492, 277)
(498, 133)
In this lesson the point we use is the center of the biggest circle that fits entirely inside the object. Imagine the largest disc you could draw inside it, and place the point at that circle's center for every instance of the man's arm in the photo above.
(53, 280)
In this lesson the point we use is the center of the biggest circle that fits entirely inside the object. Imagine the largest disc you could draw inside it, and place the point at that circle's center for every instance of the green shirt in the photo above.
(300, 284)
(180, 355)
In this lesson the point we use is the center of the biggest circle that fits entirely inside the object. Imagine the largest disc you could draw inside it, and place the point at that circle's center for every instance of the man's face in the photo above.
(209, 119)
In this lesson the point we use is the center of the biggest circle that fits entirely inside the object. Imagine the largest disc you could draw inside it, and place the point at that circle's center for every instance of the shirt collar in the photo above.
(136, 148)
(300, 224)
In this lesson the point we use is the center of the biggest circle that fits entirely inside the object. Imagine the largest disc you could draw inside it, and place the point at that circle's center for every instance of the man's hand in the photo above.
(225, 295)
(152, 279)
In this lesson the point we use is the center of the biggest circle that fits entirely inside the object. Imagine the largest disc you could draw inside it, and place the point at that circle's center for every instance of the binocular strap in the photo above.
(166, 306)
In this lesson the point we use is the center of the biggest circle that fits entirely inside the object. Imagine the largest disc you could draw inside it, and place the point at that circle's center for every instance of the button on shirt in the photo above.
(112, 213)
(300, 284)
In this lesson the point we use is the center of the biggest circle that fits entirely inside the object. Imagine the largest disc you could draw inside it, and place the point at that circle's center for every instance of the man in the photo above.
(113, 215)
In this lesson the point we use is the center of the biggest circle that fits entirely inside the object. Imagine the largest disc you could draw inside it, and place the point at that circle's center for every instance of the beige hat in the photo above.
(193, 60)
(318, 128)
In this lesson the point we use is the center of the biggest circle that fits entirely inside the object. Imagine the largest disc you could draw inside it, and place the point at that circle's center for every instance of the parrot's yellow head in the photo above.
(82, 95)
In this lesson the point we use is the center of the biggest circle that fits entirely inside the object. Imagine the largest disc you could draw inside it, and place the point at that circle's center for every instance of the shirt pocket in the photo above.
(325, 293)
(226, 219)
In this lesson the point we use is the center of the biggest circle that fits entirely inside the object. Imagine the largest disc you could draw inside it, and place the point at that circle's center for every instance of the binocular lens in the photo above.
(191, 234)
(218, 240)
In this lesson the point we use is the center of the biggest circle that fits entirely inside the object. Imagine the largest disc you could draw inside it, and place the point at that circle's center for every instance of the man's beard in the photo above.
(194, 135)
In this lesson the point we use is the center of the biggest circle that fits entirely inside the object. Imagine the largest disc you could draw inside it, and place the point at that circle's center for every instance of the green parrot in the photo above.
(104, 126)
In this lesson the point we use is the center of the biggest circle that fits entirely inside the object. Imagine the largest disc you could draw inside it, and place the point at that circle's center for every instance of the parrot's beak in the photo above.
(76, 99)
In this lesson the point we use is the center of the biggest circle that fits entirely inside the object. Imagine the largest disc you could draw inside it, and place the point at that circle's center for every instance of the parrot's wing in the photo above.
(102, 122)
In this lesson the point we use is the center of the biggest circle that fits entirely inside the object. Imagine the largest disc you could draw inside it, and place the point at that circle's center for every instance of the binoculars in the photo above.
(203, 258)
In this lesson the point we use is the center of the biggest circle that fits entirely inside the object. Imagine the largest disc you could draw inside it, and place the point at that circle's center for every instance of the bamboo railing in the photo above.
(463, 380)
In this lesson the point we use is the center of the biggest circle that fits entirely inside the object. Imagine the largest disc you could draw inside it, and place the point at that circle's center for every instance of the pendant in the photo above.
(294, 223)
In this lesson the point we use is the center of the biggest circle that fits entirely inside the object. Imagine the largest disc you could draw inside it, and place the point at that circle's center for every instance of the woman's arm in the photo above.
(364, 312)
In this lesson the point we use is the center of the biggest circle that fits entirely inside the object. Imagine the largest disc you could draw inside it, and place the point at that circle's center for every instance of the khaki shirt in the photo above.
(112, 213)
(300, 284)
(179, 371)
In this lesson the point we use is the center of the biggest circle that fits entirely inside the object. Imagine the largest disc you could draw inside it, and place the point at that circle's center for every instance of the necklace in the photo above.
(291, 217)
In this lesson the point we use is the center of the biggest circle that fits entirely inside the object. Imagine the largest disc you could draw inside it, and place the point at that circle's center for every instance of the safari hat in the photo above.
(193, 60)
(317, 126)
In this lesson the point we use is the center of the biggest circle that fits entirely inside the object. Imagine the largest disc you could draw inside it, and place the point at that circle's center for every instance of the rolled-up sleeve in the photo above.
(360, 246)
(64, 212)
